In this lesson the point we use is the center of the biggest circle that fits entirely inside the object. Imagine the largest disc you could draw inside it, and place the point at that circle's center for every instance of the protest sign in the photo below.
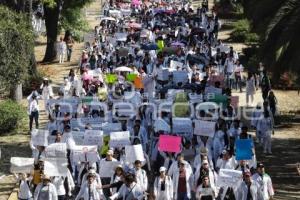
(85, 154)
(163, 75)
(205, 128)
(234, 101)
(108, 127)
(161, 125)
(39, 137)
(93, 137)
(131, 77)
(21, 165)
(121, 37)
(182, 125)
(78, 137)
(107, 168)
(133, 153)
(111, 78)
(119, 139)
(180, 77)
(58, 150)
(56, 166)
(229, 178)
(175, 64)
(169, 143)
(243, 148)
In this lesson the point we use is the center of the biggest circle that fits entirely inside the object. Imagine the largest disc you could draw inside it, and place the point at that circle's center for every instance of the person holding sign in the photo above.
(163, 186)
(204, 171)
(205, 190)
(45, 190)
(24, 186)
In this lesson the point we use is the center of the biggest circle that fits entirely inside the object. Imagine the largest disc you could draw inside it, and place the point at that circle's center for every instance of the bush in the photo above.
(242, 32)
(33, 81)
(11, 114)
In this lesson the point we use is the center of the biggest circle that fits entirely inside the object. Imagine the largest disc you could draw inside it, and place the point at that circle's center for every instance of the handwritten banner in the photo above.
(169, 143)
(107, 168)
(229, 178)
(39, 137)
(119, 139)
(133, 153)
(182, 125)
(21, 165)
(56, 166)
(205, 128)
(93, 137)
(85, 154)
(58, 150)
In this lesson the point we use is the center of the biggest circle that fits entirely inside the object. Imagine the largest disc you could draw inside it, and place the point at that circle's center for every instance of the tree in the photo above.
(60, 12)
(16, 43)
(279, 28)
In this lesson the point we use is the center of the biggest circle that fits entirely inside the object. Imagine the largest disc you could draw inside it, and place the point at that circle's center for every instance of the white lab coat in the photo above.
(242, 191)
(174, 168)
(189, 182)
(52, 192)
(163, 195)
(265, 185)
(212, 178)
(141, 178)
(84, 191)
(135, 191)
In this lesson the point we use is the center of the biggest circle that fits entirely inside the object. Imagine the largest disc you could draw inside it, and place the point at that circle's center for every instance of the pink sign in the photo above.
(234, 101)
(169, 143)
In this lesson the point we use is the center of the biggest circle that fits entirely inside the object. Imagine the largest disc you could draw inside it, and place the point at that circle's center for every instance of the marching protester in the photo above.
(163, 186)
(61, 50)
(24, 186)
(151, 88)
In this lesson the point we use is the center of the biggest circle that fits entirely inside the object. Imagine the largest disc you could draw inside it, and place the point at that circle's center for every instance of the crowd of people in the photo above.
(148, 53)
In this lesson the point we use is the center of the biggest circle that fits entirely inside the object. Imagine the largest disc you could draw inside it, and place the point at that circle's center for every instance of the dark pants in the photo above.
(265, 93)
(69, 53)
(61, 197)
(34, 115)
(182, 196)
(106, 191)
(238, 83)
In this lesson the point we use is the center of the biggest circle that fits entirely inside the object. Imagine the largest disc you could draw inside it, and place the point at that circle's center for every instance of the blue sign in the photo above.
(243, 149)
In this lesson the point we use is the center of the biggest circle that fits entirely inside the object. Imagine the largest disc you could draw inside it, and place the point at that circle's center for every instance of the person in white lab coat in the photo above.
(175, 165)
(264, 181)
(45, 190)
(248, 189)
(47, 93)
(130, 190)
(163, 186)
(183, 180)
(205, 191)
(90, 190)
(24, 186)
(140, 175)
(265, 129)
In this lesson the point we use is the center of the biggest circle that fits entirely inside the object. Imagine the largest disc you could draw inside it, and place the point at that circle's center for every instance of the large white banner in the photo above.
(107, 168)
(21, 165)
(93, 137)
(133, 153)
(119, 139)
(39, 137)
(56, 166)
(205, 128)
(229, 177)
(56, 150)
(182, 125)
(111, 127)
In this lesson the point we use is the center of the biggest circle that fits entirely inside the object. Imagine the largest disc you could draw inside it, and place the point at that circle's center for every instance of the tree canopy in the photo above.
(16, 45)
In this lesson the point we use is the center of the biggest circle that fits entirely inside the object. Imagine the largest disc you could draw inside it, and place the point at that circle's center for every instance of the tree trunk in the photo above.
(16, 92)
(51, 22)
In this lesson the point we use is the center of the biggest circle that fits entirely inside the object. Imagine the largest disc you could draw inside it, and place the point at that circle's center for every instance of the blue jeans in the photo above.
(182, 196)
(69, 53)
(34, 116)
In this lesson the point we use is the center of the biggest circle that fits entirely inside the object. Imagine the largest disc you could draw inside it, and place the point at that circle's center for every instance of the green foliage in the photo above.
(242, 32)
(16, 44)
(11, 114)
(33, 81)
(73, 19)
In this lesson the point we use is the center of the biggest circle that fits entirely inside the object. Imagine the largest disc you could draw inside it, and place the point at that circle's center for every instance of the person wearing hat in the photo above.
(175, 165)
(90, 189)
(204, 170)
(93, 172)
(106, 180)
(183, 181)
(249, 189)
(140, 175)
(226, 161)
(45, 190)
(264, 181)
(163, 186)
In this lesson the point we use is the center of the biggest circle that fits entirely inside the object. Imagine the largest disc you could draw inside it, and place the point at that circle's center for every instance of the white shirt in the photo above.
(24, 191)
(265, 185)
(141, 178)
